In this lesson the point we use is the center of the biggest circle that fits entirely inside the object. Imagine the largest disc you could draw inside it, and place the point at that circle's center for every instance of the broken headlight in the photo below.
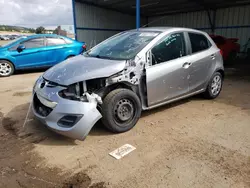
(72, 92)
(78, 91)
(39, 80)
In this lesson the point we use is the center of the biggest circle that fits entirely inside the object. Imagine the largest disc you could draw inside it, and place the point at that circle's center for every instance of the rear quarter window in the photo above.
(55, 41)
(68, 41)
(199, 42)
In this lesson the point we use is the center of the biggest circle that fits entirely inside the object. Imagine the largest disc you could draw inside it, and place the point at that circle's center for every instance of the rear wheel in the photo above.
(6, 68)
(121, 110)
(214, 87)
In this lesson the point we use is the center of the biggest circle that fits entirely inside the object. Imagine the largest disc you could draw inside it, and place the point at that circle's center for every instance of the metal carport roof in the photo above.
(155, 8)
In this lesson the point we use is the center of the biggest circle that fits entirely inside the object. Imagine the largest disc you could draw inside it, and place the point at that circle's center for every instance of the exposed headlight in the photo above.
(39, 80)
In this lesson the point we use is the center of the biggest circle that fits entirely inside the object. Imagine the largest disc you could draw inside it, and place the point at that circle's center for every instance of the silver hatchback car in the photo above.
(132, 71)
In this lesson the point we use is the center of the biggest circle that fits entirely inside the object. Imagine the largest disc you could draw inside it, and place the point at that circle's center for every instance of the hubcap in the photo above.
(216, 85)
(5, 69)
(124, 110)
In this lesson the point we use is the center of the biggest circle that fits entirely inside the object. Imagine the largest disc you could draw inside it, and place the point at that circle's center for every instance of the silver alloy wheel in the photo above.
(216, 85)
(5, 69)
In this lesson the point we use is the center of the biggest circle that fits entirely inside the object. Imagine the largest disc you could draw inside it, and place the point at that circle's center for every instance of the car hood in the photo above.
(81, 68)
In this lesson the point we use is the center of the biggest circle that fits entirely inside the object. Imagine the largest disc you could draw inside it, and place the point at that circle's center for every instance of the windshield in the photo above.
(11, 42)
(122, 46)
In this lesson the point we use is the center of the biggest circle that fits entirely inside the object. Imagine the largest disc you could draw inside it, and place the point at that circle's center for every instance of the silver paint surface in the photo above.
(82, 68)
(67, 107)
(165, 82)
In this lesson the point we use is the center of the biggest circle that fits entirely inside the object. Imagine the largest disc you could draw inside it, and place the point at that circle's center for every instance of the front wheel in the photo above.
(6, 68)
(121, 110)
(214, 86)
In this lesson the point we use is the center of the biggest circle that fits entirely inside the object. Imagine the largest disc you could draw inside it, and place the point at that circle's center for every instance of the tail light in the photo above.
(221, 52)
(84, 47)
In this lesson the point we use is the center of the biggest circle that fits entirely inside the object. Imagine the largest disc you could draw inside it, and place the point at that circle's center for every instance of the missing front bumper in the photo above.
(87, 110)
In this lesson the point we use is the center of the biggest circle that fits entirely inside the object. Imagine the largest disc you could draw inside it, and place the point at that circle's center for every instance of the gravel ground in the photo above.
(191, 143)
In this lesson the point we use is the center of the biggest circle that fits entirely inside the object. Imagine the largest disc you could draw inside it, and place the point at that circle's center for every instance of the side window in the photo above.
(172, 47)
(68, 41)
(34, 43)
(55, 41)
(198, 42)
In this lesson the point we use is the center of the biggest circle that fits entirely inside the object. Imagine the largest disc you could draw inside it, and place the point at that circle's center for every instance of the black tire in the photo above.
(208, 93)
(9, 65)
(113, 115)
(70, 56)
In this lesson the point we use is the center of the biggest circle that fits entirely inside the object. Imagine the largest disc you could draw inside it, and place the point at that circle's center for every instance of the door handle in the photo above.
(186, 65)
(212, 56)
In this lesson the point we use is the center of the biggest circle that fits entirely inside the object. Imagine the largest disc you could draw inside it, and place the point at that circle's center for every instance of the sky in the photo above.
(34, 13)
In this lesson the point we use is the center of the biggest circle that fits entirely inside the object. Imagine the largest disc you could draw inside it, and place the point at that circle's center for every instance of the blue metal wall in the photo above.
(95, 24)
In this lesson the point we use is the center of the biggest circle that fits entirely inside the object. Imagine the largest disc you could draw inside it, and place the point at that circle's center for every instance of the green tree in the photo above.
(40, 30)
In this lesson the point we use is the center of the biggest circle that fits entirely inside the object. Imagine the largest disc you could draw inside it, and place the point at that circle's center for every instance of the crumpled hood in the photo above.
(81, 68)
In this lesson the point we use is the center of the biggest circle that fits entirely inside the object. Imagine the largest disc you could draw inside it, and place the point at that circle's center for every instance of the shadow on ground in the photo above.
(236, 92)
(32, 131)
(236, 89)
(28, 71)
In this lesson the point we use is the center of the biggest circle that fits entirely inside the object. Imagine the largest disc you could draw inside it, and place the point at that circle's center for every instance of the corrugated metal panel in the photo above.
(88, 16)
(92, 38)
(95, 17)
(191, 20)
(230, 22)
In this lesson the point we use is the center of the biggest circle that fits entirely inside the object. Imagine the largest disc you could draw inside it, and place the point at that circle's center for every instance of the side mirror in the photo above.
(20, 48)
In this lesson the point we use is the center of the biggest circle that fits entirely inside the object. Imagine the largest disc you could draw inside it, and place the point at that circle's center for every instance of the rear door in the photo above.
(166, 78)
(56, 48)
(32, 56)
(202, 59)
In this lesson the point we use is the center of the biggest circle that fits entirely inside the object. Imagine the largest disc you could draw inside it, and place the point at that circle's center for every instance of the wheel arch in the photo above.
(120, 85)
(222, 72)
(125, 85)
(70, 55)
(3, 59)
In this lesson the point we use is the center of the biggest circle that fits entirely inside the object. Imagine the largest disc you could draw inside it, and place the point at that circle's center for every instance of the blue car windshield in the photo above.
(11, 42)
(122, 46)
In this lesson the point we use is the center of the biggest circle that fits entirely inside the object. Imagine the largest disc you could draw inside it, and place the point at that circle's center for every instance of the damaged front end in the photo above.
(70, 111)
(74, 109)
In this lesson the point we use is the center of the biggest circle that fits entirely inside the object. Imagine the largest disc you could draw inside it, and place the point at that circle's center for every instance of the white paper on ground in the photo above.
(122, 151)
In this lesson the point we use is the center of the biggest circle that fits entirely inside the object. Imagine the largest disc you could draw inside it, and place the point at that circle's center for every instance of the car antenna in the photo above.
(153, 21)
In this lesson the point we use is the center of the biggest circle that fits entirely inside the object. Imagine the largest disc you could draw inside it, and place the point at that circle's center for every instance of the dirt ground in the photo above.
(192, 143)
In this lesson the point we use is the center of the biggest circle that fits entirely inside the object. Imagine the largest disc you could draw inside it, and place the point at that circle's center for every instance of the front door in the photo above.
(32, 56)
(167, 76)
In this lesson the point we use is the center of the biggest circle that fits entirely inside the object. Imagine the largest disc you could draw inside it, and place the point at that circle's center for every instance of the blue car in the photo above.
(37, 51)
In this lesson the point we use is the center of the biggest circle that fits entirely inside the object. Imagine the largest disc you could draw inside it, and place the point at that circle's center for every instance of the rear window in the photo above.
(55, 41)
(198, 42)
